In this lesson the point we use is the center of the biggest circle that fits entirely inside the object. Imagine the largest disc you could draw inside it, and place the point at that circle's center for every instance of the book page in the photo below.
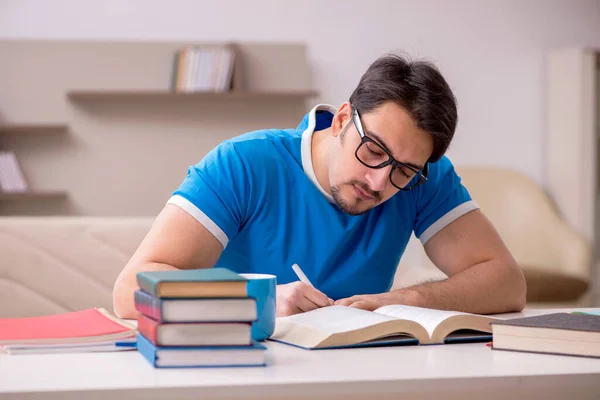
(427, 317)
(337, 319)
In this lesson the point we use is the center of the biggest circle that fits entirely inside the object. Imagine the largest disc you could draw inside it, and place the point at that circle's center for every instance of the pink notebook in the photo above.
(86, 326)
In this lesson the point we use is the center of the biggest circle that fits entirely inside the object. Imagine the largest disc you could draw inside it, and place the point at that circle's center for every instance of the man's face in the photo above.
(357, 188)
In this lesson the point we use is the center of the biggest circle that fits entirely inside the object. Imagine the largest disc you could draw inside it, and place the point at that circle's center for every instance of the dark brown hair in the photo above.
(416, 86)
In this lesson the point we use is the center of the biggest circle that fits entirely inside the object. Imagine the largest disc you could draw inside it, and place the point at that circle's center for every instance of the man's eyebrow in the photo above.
(385, 146)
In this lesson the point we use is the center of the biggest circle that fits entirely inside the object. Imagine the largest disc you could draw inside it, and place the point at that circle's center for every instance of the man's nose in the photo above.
(377, 178)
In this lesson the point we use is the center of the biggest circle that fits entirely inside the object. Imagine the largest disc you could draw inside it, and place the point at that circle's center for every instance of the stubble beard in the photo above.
(352, 209)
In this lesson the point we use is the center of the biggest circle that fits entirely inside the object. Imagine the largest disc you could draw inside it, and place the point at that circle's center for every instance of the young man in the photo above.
(340, 196)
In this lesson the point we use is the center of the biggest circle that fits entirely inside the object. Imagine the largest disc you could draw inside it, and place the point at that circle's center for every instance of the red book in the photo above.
(86, 326)
(194, 333)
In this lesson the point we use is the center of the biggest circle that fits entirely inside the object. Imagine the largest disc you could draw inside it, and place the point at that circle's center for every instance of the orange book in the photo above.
(91, 326)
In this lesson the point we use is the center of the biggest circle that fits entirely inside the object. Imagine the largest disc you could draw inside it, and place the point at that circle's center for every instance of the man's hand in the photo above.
(298, 297)
(368, 302)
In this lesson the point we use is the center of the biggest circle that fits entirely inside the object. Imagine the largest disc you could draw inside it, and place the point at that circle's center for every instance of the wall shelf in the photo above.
(113, 94)
(32, 195)
(32, 128)
(171, 95)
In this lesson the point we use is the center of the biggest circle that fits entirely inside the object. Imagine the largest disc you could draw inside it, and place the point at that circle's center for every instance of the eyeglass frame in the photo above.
(391, 160)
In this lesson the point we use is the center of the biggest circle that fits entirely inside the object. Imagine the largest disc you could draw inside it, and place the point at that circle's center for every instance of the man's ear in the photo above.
(341, 119)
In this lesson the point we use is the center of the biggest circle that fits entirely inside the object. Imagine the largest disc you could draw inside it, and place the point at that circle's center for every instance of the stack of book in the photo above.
(196, 318)
(198, 69)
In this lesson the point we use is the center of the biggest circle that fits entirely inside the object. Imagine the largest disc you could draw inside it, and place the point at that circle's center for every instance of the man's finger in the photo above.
(363, 305)
(305, 304)
(344, 302)
(317, 297)
(347, 301)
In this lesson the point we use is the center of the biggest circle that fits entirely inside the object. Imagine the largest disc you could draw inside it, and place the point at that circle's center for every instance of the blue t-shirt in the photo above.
(258, 194)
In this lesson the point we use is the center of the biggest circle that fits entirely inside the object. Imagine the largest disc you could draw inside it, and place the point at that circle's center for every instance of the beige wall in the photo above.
(493, 52)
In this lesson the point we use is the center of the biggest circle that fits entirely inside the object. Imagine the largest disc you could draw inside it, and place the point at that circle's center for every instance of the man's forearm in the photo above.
(126, 285)
(486, 288)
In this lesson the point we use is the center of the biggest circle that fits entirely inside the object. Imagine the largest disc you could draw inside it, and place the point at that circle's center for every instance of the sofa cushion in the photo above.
(51, 265)
(553, 286)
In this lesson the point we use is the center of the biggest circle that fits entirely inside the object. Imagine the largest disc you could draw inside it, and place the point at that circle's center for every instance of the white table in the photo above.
(418, 372)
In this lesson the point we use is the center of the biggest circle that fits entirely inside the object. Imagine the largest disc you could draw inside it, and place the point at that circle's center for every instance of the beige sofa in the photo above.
(57, 264)
(555, 259)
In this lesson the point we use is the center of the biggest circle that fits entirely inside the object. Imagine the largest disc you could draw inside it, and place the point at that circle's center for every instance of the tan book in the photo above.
(194, 283)
(340, 326)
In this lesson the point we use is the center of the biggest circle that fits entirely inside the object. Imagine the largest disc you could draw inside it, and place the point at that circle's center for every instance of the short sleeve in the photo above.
(441, 200)
(215, 192)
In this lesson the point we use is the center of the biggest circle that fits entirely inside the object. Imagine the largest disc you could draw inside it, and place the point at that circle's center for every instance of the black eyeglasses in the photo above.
(372, 155)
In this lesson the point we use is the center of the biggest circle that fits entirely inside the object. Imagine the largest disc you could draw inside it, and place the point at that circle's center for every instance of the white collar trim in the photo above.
(305, 147)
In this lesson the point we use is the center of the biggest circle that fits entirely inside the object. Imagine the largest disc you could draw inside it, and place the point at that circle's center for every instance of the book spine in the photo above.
(16, 173)
(5, 181)
(181, 65)
(175, 70)
(146, 284)
(148, 305)
(146, 349)
(148, 328)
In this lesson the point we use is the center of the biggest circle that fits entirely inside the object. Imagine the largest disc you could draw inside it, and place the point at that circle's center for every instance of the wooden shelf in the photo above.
(32, 128)
(32, 195)
(168, 95)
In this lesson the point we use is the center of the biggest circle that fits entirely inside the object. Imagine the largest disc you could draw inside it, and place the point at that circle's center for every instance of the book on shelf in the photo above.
(195, 309)
(93, 329)
(341, 326)
(194, 333)
(193, 283)
(209, 356)
(576, 334)
(203, 69)
(11, 175)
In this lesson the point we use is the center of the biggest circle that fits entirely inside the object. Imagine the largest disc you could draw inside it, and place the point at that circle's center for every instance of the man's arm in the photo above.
(483, 276)
(175, 241)
(178, 241)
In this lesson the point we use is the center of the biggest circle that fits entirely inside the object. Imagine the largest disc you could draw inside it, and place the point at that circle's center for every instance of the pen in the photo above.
(304, 279)
(301, 275)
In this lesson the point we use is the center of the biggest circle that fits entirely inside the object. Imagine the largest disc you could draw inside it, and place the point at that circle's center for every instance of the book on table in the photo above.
(93, 329)
(193, 283)
(195, 309)
(340, 326)
(208, 356)
(576, 334)
(194, 333)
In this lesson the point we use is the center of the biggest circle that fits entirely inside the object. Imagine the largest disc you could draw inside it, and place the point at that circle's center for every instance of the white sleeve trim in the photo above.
(195, 212)
(445, 220)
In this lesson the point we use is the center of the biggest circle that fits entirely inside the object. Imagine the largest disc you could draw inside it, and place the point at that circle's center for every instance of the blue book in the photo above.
(196, 357)
(196, 283)
(195, 310)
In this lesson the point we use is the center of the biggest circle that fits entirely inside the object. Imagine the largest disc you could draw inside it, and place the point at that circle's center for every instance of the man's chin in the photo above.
(354, 211)
(352, 207)
(351, 204)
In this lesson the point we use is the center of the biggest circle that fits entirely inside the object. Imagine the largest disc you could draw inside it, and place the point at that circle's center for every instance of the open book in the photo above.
(340, 326)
